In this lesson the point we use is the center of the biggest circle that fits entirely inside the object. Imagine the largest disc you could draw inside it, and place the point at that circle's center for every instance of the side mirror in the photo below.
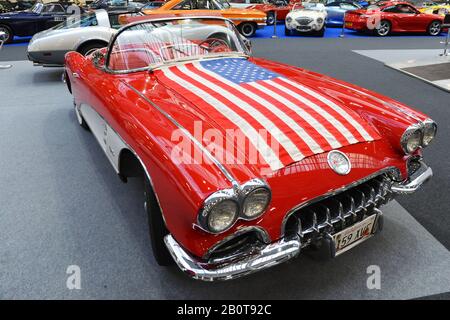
(98, 58)
(248, 44)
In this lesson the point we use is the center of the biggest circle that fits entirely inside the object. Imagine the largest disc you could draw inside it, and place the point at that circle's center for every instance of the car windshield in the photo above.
(154, 44)
(85, 20)
(37, 8)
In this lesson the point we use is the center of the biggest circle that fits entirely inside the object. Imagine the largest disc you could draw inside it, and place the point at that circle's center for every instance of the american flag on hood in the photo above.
(241, 95)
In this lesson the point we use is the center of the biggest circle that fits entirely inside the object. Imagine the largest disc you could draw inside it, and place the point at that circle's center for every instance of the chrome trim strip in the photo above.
(219, 165)
(330, 194)
(247, 19)
(270, 255)
(422, 175)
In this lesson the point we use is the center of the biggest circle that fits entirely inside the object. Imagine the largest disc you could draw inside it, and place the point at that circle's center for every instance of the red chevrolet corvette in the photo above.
(393, 17)
(246, 161)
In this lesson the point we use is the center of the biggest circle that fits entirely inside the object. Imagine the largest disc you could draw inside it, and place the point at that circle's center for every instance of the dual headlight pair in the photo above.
(224, 207)
(418, 135)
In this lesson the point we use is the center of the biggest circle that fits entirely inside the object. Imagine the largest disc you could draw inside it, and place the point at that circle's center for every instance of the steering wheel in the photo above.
(211, 44)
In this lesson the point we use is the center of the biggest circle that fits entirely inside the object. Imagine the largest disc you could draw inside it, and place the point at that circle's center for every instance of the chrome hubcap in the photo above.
(383, 29)
(7, 35)
(435, 28)
(270, 19)
(247, 30)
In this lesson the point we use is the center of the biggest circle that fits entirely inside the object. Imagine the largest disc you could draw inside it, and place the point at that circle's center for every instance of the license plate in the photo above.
(351, 237)
(349, 24)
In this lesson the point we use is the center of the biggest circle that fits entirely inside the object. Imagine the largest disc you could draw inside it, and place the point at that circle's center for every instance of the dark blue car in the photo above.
(26, 23)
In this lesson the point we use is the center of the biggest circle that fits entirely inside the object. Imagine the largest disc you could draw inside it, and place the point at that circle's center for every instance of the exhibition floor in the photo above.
(63, 205)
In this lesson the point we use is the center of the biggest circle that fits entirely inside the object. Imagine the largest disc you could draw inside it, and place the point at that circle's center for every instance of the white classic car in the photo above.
(307, 18)
(83, 34)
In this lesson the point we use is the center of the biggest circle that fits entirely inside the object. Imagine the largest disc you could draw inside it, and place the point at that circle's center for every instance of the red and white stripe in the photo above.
(300, 119)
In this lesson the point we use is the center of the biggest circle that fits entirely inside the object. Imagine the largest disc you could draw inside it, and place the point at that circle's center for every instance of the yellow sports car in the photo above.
(435, 8)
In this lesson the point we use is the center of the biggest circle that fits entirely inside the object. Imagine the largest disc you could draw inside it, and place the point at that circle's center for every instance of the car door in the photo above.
(406, 17)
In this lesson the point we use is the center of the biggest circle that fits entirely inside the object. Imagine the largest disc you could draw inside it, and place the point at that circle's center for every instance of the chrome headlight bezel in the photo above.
(249, 189)
(211, 203)
(319, 20)
(419, 131)
(429, 128)
(238, 195)
(289, 19)
(413, 131)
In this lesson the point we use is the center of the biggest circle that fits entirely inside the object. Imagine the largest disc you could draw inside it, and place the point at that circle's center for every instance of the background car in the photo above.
(306, 18)
(394, 17)
(116, 5)
(92, 31)
(278, 9)
(336, 11)
(26, 23)
(246, 20)
(152, 5)
(441, 8)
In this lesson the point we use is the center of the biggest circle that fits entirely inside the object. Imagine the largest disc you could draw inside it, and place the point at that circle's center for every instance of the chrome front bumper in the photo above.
(271, 255)
(274, 253)
(422, 175)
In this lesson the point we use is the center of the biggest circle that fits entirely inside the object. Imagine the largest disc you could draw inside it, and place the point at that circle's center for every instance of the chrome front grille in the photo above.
(339, 211)
(303, 21)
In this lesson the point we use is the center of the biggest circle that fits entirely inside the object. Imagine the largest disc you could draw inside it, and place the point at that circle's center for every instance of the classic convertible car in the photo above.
(91, 31)
(308, 17)
(394, 16)
(246, 161)
(246, 20)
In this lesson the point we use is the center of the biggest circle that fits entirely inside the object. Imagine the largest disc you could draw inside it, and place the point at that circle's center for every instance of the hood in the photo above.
(308, 13)
(283, 120)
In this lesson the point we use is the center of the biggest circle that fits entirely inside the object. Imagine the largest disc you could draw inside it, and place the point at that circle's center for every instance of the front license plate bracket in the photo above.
(373, 222)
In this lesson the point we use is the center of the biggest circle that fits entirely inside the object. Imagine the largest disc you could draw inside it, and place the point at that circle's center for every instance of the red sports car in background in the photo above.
(278, 9)
(246, 161)
(393, 17)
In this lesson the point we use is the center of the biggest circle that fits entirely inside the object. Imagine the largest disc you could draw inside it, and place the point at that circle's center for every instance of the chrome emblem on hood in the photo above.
(339, 162)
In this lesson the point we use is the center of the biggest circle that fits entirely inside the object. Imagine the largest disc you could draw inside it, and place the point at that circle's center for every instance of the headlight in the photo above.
(429, 131)
(256, 203)
(222, 216)
(319, 20)
(411, 139)
(288, 19)
(222, 208)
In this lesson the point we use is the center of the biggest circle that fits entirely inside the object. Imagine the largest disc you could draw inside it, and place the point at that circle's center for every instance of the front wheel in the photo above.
(157, 227)
(434, 29)
(270, 18)
(321, 32)
(247, 29)
(287, 32)
(8, 37)
(384, 28)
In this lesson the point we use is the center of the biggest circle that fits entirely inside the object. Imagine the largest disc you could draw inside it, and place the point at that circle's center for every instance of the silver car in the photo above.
(84, 35)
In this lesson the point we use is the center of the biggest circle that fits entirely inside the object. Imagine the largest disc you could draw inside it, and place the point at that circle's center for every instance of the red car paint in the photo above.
(364, 20)
(281, 11)
(182, 188)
